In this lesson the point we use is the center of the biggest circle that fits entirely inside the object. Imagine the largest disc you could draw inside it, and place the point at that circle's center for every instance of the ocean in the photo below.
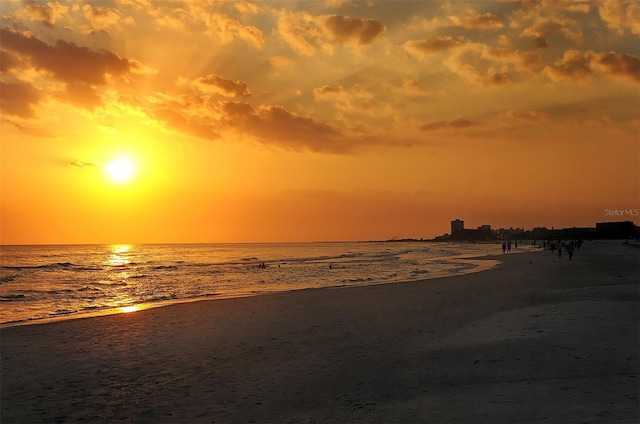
(53, 281)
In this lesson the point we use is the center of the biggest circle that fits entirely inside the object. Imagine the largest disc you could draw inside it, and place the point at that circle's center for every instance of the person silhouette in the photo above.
(570, 250)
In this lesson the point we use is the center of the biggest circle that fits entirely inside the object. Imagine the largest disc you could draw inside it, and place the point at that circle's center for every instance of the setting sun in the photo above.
(120, 170)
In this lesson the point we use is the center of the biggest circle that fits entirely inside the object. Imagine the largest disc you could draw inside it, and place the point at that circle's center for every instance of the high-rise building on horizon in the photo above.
(457, 226)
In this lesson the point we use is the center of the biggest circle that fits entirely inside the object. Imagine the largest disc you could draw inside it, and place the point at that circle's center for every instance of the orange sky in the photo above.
(309, 121)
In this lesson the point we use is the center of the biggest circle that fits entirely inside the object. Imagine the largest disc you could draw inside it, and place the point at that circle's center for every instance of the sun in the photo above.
(120, 170)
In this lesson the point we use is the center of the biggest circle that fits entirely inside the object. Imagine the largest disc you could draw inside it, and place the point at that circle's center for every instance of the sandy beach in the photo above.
(537, 339)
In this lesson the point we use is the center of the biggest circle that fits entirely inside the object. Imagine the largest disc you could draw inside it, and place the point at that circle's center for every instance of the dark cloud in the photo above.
(327, 91)
(82, 95)
(362, 31)
(495, 77)
(540, 43)
(577, 65)
(67, 61)
(433, 44)
(618, 65)
(306, 33)
(200, 127)
(275, 125)
(18, 99)
(223, 86)
(454, 123)
(8, 61)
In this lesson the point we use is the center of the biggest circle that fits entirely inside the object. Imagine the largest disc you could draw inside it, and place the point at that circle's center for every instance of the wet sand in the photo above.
(537, 339)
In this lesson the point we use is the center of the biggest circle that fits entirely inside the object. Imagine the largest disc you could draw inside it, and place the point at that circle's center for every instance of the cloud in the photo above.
(433, 44)
(328, 92)
(413, 86)
(36, 131)
(246, 8)
(47, 14)
(618, 65)
(476, 62)
(224, 86)
(478, 22)
(355, 99)
(522, 61)
(191, 114)
(575, 65)
(83, 164)
(451, 124)
(619, 15)
(305, 33)
(80, 68)
(527, 116)
(578, 66)
(8, 61)
(546, 28)
(213, 83)
(67, 61)
(18, 99)
(102, 18)
(186, 122)
(357, 30)
(300, 31)
(275, 125)
(225, 29)
(490, 66)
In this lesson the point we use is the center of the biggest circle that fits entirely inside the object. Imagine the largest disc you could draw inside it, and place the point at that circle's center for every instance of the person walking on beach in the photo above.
(509, 247)
(570, 250)
(504, 248)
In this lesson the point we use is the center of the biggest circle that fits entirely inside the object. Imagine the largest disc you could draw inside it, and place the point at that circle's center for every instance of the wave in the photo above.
(87, 288)
(12, 297)
(161, 267)
(56, 265)
(8, 278)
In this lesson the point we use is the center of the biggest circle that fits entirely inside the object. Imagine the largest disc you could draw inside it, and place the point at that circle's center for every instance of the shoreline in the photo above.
(536, 339)
(207, 298)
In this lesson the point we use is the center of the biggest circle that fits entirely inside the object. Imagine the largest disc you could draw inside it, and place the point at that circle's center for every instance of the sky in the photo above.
(142, 121)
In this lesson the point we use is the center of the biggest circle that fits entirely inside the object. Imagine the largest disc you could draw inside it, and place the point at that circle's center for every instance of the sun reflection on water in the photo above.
(119, 254)
(130, 308)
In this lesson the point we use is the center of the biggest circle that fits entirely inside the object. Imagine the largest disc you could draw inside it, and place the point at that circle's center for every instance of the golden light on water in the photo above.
(121, 248)
(129, 309)
(118, 256)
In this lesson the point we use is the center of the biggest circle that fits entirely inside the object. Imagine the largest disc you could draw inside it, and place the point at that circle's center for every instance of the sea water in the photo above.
(40, 282)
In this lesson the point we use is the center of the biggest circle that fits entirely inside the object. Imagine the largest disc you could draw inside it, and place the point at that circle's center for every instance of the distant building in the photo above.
(457, 227)
(615, 230)
(485, 228)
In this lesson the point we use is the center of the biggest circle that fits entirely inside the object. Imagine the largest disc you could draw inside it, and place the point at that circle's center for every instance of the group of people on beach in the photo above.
(506, 247)
(570, 247)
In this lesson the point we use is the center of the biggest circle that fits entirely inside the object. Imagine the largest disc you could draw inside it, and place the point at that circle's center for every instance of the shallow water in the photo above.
(38, 282)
